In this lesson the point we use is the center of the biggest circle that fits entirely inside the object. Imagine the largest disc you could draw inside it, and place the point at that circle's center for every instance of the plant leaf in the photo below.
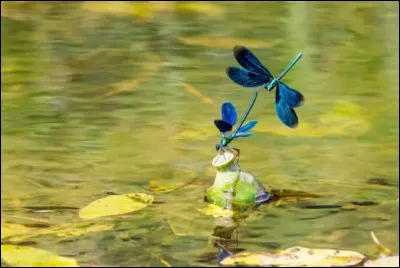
(63, 231)
(22, 256)
(115, 205)
(296, 256)
(11, 229)
(216, 211)
(224, 42)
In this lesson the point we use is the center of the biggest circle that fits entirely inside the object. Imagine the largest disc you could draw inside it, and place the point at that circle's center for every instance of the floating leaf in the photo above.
(224, 42)
(216, 211)
(188, 88)
(64, 231)
(296, 256)
(22, 256)
(115, 205)
(11, 229)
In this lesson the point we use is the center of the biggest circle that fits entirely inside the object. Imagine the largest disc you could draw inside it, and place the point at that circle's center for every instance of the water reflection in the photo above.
(98, 97)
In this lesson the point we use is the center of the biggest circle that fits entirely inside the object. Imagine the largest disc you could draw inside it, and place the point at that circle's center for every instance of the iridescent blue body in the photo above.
(254, 74)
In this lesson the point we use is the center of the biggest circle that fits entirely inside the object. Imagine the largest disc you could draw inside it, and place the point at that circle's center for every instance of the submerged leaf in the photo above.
(190, 89)
(63, 231)
(296, 256)
(205, 8)
(123, 86)
(165, 263)
(108, 7)
(11, 229)
(157, 187)
(115, 205)
(22, 256)
(216, 211)
(224, 42)
(76, 231)
(345, 119)
(173, 229)
(148, 10)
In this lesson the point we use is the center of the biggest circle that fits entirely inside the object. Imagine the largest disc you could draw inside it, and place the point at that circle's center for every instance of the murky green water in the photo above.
(103, 98)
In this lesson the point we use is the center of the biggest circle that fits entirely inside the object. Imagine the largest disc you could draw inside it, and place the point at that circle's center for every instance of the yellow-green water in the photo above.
(100, 98)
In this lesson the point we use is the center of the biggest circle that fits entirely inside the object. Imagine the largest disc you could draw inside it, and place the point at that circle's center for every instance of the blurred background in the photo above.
(117, 97)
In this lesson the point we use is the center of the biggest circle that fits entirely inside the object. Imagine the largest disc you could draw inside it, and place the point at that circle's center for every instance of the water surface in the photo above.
(102, 98)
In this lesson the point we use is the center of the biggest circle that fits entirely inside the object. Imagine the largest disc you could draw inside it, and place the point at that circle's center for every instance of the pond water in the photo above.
(105, 98)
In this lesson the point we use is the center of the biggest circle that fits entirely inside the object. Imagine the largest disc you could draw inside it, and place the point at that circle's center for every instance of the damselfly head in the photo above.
(217, 147)
(224, 141)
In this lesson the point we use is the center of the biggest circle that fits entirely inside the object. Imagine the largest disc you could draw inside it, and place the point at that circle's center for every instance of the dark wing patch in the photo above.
(223, 126)
(250, 62)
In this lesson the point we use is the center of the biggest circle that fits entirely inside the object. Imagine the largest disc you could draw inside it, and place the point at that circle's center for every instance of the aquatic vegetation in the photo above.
(296, 256)
(116, 205)
(63, 231)
(144, 11)
(110, 98)
(195, 92)
(225, 42)
(308, 257)
(12, 229)
(24, 256)
(216, 211)
(344, 119)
